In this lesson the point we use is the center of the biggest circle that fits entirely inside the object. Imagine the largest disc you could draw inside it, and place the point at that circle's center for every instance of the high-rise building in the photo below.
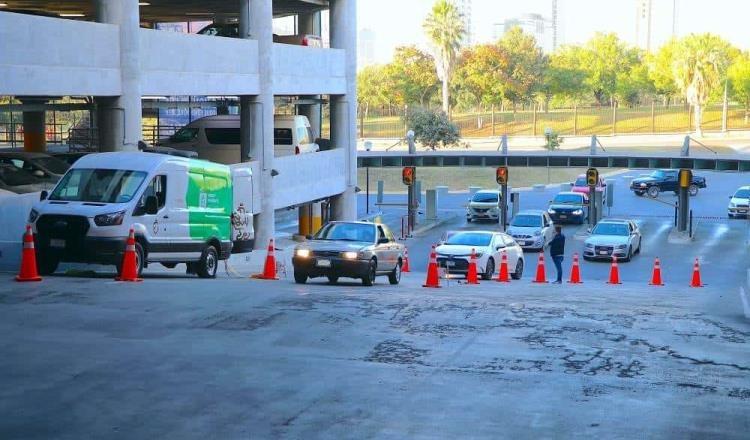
(464, 7)
(533, 24)
(366, 48)
(643, 24)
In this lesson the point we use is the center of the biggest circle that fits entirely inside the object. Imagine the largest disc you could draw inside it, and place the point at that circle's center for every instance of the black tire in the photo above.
(653, 192)
(395, 276)
(468, 220)
(369, 279)
(208, 264)
(489, 269)
(138, 260)
(519, 270)
(333, 279)
(630, 255)
(46, 265)
(693, 190)
(639, 193)
(300, 277)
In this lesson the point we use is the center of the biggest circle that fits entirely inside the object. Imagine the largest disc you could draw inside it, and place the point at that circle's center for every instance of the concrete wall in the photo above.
(302, 70)
(50, 56)
(308, 177)
(184, 64)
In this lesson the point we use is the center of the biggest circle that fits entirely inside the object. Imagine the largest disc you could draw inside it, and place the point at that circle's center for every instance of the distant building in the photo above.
(643, 21)
(366, 48)
(534, 24)
(464, 7)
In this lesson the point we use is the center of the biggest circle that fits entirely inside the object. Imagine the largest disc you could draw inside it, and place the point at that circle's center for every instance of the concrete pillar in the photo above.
(256, 112)
(119, 118)
(34, 127)
(310, 24)
(304, 217)
(343, 25)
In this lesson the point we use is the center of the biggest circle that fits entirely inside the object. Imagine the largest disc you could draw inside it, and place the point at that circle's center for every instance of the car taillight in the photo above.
(296, 149)
(304, 41)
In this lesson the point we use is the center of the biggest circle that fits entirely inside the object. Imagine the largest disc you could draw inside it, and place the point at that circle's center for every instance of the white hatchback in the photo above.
(454, 254)
(532, 229)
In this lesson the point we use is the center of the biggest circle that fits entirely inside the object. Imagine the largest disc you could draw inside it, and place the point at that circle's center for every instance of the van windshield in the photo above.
(98, 186)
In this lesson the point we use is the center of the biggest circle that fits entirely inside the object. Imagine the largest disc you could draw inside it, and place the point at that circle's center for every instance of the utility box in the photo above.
(515, 203)
(431, 204)
(599, 204)
(379, 198)
(610, 193)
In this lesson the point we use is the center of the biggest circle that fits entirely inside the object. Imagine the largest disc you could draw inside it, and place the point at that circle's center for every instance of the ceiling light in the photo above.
(2, 5)
(144, 4)
(72, 14)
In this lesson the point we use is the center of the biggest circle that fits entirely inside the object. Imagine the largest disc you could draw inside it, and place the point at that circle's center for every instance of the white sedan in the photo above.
(620, 238)
(455, 252)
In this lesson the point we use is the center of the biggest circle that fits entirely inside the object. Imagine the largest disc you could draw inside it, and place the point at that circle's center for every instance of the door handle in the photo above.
(166, 216)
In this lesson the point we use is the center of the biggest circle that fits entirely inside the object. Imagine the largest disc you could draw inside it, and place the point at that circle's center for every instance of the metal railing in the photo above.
(12, 133)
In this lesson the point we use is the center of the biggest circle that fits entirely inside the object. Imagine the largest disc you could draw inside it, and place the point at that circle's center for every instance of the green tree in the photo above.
(481, 73)
(634, 83)
(412, 73)
(606, 59)
(739, 78)
(526, 64)
(432, 128)
(564, 79)
(444, 27)
(699, 67)
(660, 70)
(373, 88)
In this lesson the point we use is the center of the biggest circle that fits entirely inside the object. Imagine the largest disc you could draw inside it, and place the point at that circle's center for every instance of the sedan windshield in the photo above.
(568, 199)
(13, 176)
(347, 232)
(470, 239)
(658, 174)
(742, 194)
(98, 186)
(611, 229)
(51, 164)
(527, 221)
(484, 198)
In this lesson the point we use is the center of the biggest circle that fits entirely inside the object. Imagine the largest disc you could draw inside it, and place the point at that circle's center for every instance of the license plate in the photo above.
(563, 216)
(603, 253)
(450, 263)
(742, 211)
(57, 243)
(323, 263)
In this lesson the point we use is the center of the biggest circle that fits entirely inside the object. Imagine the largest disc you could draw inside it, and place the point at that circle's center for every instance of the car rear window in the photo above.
(283, 136)
(223, 136)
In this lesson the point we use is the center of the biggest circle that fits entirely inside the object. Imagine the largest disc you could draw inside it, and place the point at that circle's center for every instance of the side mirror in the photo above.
(730, 197)
(499, 247)
(152, 205)
(43, 195)
(308, 237)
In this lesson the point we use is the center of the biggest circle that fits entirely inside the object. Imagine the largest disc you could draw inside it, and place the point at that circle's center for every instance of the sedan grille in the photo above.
(70, 228)
(326, 253)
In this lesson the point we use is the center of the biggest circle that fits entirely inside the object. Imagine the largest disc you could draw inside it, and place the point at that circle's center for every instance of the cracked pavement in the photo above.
(234, 358)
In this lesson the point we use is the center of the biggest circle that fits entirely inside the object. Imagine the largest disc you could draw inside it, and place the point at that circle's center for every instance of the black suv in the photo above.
(664, 180)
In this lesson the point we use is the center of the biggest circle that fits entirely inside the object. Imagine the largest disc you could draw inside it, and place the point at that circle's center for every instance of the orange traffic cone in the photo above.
(656, 274)
(28, 270)
(129, 270)
(575, 272)
(502, 276)
(541, 276)
(433, 279)
(471, 275)
(614, 272)
(269, 267)
(696, 281)
(405, 264)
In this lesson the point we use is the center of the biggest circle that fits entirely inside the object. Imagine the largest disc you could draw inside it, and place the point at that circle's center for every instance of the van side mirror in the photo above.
(43, 195)
(152, 205)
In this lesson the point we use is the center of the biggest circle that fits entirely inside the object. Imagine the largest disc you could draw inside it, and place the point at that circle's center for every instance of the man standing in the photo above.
(557, 250)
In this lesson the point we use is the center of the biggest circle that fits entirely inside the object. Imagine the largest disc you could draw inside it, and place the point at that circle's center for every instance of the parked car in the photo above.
(40, 165)
(70, 157)
(217, 138)
(532, 229)
(580, 185)
(568, 207)
(232, 30)
(454, 254)
(361, 250)
(739, 203)
(484, 205)
(18, 181)
(664, 180)
(612, 237)
(182, 210)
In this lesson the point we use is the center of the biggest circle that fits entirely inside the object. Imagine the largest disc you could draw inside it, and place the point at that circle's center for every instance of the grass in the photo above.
(461, 178)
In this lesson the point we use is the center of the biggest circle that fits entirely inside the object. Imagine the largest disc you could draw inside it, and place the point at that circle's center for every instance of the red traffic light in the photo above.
(408, 175)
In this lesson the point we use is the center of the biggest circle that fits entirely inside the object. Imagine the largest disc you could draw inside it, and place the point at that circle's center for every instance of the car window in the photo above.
(581, 181)
(484, 198)
(13, 176)
(184, 135)
(742, 194)
(658, 174)
(388, 233)
(157, 187)
(98, 185)
(302, 136)
(470, 239)
(620, 229)
(283, 136)
(52, 164)
(568, 199)
(527, 221)
(347, 232)
(223, 136)
(381, 233)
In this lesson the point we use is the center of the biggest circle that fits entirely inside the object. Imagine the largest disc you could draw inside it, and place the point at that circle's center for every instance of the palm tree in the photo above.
(699, 66)
(445, 29)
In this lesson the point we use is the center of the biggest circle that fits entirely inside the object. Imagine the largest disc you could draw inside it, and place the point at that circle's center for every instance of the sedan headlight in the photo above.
(551, 211)
(731, 205)
(111, 219)
(33, 215)
(643, 185)
(537, 233)
(303, 253)
(621, 246)
(349, 255)
(578, 212)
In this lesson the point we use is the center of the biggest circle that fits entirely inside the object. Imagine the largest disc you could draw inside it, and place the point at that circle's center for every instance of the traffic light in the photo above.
(501, 175)
(686, 176)
(408, 175)
(592, 176)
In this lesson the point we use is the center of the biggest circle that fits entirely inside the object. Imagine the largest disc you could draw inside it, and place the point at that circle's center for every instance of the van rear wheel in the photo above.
(209, 263)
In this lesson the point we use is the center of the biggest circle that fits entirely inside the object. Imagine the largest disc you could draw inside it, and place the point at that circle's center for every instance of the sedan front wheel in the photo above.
(369, 279)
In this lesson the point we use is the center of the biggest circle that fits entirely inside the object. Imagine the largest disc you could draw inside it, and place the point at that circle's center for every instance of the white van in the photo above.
(217, 138)
(182, 210)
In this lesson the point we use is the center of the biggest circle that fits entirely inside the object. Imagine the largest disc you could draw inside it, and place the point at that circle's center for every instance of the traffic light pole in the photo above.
(592, 206)
(505, 197)
(411, 206)
(683, 199)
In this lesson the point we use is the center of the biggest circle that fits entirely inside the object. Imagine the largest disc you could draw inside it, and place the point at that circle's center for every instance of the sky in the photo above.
(399, 22)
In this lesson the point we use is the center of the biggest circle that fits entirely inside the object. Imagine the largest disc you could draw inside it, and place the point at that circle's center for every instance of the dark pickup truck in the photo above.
(664, 180)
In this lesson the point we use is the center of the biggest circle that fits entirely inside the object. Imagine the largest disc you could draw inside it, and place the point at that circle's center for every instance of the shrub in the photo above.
(432, 128)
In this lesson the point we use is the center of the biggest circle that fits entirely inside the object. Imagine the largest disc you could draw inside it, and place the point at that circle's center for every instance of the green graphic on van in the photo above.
(209, 201)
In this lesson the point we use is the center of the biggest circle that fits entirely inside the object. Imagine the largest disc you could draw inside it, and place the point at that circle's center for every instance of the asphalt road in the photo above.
(720, 244)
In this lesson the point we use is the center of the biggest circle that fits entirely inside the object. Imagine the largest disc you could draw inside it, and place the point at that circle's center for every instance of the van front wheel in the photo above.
(208, 264)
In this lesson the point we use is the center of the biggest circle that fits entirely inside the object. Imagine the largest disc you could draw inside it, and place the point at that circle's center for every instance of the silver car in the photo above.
(619, 238)
(484, 205)
(361, 250)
